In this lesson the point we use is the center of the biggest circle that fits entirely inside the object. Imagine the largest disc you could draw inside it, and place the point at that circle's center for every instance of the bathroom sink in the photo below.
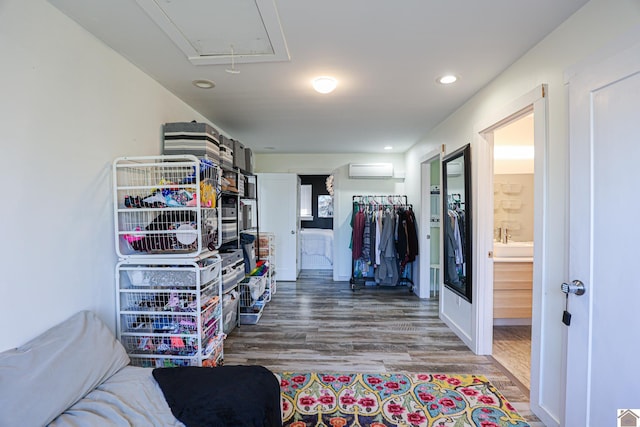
(512, 249)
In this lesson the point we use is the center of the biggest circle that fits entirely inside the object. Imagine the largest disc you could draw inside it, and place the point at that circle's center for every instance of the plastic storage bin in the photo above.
(165, 206)
(230, 311)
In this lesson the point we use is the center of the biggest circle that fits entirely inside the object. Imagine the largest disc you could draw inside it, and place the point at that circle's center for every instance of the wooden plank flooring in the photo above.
(512, 349)
(317, 325)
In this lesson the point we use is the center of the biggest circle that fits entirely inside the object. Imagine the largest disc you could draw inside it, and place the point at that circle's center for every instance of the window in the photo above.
(306, 212)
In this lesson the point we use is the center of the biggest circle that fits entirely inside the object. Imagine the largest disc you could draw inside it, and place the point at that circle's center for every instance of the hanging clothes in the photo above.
(366, 241)
(384, 240)
(387, 271)
(453, 248)
(407, 242)
(358, 231)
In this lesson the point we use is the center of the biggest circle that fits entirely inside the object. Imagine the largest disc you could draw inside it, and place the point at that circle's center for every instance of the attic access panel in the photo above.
(207, 30)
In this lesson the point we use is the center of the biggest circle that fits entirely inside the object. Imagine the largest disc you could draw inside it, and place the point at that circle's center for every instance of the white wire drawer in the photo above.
(189, 275)
(166, 206)
(210, 357)
(169, 323)
(174, 345)
(251, 289)
(175, 301)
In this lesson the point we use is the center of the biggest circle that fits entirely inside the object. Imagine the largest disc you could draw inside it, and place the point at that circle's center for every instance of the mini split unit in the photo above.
(370, 170)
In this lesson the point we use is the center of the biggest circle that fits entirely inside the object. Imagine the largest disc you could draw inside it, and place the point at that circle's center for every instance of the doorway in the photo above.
(513, 189)
(430, 242)
(542, 362)
(316, 234)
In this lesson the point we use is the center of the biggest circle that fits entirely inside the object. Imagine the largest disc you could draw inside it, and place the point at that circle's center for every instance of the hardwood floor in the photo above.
(315, 324)
(512, 349)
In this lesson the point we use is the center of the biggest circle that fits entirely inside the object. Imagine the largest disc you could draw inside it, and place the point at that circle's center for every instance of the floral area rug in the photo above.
(393, 400)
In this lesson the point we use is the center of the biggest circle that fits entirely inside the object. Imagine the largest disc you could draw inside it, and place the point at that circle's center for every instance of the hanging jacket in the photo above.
(387, 271)
(358, 230)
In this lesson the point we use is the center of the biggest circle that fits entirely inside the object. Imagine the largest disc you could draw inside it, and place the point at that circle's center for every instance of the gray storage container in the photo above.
(230, 312)
(251, 190)
(226, 152)
(246, 216)
(238, 155)
(248, 160)
(230, 256)
(229, 213)
(232, 274)
(198, 139)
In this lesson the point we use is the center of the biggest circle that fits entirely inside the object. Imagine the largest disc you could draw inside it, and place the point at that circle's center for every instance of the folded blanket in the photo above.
(239, 396)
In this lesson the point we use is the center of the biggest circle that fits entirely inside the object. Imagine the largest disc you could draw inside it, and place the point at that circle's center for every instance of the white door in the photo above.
(603, 339)
(298, 227)
(279, 213)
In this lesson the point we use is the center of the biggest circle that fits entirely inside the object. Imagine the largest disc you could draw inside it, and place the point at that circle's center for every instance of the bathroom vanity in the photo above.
(512, 280)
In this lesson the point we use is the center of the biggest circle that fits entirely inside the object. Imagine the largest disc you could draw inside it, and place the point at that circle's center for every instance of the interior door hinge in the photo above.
(543, 91)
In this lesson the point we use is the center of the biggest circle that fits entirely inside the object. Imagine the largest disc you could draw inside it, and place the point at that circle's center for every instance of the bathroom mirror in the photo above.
(456, 221)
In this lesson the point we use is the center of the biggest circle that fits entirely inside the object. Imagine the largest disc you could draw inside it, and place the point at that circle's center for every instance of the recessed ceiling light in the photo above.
(203, 84)
(324, 84)
(388, 147)
(447, 79)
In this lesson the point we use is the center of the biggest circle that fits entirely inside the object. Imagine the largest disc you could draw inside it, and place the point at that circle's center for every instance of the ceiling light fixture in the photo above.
(324, 84)
(203, 84)
(388, 147)
(447, 79)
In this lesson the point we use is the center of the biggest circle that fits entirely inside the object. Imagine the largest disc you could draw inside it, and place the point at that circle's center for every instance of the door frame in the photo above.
(534, 101)
(424, 288)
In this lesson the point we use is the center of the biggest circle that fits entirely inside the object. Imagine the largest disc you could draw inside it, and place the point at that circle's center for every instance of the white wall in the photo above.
(592, 27)
(344, 189)
(69, 106)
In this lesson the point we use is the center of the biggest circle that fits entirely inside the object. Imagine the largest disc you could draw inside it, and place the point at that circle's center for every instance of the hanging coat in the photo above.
(358, 230)
(387, 271)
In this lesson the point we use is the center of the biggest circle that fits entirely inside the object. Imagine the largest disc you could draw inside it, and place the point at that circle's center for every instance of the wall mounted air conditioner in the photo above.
(454, 169)
(370, 170)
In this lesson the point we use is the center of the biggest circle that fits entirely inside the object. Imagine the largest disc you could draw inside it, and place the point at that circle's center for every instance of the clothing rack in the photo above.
(384, 241)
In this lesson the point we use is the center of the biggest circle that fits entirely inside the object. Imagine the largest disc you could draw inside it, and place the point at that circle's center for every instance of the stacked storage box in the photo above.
(238, 155)
(226, 152)
(198, 139)
(248, 161)
(229, 219)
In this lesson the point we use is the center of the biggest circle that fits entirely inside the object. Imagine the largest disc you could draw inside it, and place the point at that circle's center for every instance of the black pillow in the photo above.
(239, 396)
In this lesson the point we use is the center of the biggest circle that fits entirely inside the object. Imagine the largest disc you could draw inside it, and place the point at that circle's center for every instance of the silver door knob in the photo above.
(575, 287)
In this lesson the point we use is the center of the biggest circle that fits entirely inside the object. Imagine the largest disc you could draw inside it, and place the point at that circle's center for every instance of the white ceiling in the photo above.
(386, 56)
